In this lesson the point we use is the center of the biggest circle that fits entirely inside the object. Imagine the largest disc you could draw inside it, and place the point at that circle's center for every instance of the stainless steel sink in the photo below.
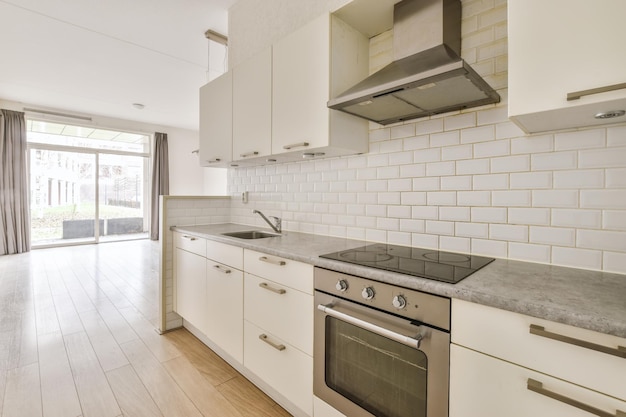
(251, 234)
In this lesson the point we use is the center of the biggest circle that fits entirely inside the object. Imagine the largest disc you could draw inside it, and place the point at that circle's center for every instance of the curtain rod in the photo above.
(53, 113)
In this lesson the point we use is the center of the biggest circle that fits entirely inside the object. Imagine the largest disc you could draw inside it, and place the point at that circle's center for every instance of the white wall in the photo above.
(466, 181)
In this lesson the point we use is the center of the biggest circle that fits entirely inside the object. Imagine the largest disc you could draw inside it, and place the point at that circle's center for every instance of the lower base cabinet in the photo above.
(191, 287)
(484, 386)
(282, 366)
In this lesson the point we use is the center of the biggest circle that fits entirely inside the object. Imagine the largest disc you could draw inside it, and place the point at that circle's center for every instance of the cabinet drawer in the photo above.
(285, 312)
(507, 335)
(190, 243)
(293, 274)
(289, 371)
(225, 254)
(483, 386)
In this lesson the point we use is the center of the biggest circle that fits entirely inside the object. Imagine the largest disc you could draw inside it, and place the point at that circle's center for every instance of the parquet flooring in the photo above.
(77, 339)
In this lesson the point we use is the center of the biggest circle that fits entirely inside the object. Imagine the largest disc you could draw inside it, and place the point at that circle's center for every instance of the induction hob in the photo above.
(426, 263)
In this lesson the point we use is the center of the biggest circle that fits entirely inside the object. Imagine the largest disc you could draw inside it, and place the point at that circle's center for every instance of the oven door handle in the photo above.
(413, 342)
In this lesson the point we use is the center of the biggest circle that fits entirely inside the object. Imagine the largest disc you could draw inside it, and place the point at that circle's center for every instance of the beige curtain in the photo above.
(160, 181)
(14, 210)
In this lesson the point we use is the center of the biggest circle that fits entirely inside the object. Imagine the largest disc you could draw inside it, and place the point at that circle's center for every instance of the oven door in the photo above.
(371, 363)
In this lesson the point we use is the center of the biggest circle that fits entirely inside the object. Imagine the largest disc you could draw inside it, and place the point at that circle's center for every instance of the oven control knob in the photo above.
(399, 301)
(367, 293)
(341, 285)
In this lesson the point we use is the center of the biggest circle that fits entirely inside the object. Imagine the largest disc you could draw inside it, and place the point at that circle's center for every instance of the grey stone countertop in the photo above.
(588, 299)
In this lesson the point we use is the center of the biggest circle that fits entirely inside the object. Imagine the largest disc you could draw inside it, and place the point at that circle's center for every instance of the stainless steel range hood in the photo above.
(427, 75)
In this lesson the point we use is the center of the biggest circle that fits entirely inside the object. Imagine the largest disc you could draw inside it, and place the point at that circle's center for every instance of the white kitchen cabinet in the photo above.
(498, 354)
(252, 107)
(558, 47)
(321, 59)
(224, 300)
(190, 279)
(216, 122)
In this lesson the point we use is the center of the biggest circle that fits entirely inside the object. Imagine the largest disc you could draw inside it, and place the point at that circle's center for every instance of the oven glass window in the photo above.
(382, 376)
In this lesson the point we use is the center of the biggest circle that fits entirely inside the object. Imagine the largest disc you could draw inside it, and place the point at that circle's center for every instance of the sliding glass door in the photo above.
(87, 185)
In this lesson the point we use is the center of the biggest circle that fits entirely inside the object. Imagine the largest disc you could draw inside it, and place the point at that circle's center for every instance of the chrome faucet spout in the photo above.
(277, 228)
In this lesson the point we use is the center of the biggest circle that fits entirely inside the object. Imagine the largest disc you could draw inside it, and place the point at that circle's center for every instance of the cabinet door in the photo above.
(224, 325)
(301, 71)
(280, 365)
(558, 47)
(216, 121)
(483, 386)
(252, 107)
(191, 287)
(322, 409)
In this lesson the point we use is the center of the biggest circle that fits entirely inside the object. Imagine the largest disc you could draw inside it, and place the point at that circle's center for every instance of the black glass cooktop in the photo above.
(426, 263)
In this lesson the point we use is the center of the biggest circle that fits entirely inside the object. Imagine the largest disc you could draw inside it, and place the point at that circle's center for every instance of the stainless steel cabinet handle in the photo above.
(381, 331)
(266, 286)
(296, 145)
(536, 386)
(272, 261)
(578, 94)
(189, 237)
(222, 269)
(620, 351)
(276, 346)
(247, 154)
(213, 161)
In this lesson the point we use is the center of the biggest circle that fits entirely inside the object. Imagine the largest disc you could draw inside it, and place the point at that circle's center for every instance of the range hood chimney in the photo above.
(427, 75)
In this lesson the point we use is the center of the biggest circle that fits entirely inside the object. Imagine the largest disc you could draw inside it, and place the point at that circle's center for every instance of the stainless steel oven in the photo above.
(380, 350)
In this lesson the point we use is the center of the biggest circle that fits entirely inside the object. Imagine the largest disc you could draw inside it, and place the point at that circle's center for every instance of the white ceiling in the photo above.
(98, 57)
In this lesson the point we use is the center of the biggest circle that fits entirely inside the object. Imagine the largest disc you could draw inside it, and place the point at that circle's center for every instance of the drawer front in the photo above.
(190, 243)
(507, 335)
(225, 254)
(293, 274)
(289, 371)
(285, 312)
(483, 386)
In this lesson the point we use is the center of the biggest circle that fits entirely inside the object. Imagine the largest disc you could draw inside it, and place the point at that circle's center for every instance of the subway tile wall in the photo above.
(468, 181)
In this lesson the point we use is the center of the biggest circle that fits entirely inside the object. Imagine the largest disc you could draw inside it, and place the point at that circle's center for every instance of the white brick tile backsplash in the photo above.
(555, 198)
(418, 142)
(491, 182)
(412, 225)
(457, 214)
(444, 139)
(429, 126)
(379, 160)
(439, 227)
(616, 178)
(459, 182)
(400, 212)
(387, 147)
(413, 198)
(380, 135)
(426, 184)
(591, 219)
(603, 158)
(552, 236)
(579, 179)
(585, 139)
(389, 198)
(531, 216)
(616, 136)
(399, 238)
(427, 155)
(532, 144)
(579, 258)
(472, 230)
(498, 249)
(511, 198)
(478, 134)
(601, 240)
(531, 180)
(492, 116)
(489, 214)
(387, 172)
(510, 164)
(491, 149)
(425, 212)
(377, 185)
(413, 170)
(440, 168)
(508, 130)
(474, 198)
(613, 220)
(553, 161)
(386, 223)
(422, 240)
(402, 131)
(614, 262)
(508, 232)
(529, 252)
(603, 199)
(452, 153)
(441, 198)
(455, 244)
(460, 121)
(401, 184)
(401, 158)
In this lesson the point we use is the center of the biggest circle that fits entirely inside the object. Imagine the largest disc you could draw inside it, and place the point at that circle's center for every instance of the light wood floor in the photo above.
(77, 340)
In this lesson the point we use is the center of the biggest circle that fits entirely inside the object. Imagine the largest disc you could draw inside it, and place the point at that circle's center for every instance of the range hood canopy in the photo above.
(427, 75)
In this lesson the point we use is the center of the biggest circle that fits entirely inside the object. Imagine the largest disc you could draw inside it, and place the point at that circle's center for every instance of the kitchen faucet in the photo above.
(277, 228)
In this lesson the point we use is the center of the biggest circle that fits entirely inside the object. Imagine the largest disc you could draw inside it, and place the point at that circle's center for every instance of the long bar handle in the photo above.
(247, 154)
(272, 261)
(189, 237)
(214, 160)
(541, 331)
(381, 331)
(537, 386)
(578, 94)
(296, 145)
(276, 346)
(222, 269)
(266, 286)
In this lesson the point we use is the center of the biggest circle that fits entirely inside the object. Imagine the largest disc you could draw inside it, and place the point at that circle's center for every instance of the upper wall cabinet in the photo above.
(566, 63)
(252, 107)
(216, 122)
(319, 60)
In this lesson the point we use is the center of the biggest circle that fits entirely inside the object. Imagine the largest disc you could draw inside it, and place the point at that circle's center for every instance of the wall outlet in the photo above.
(244, 197)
